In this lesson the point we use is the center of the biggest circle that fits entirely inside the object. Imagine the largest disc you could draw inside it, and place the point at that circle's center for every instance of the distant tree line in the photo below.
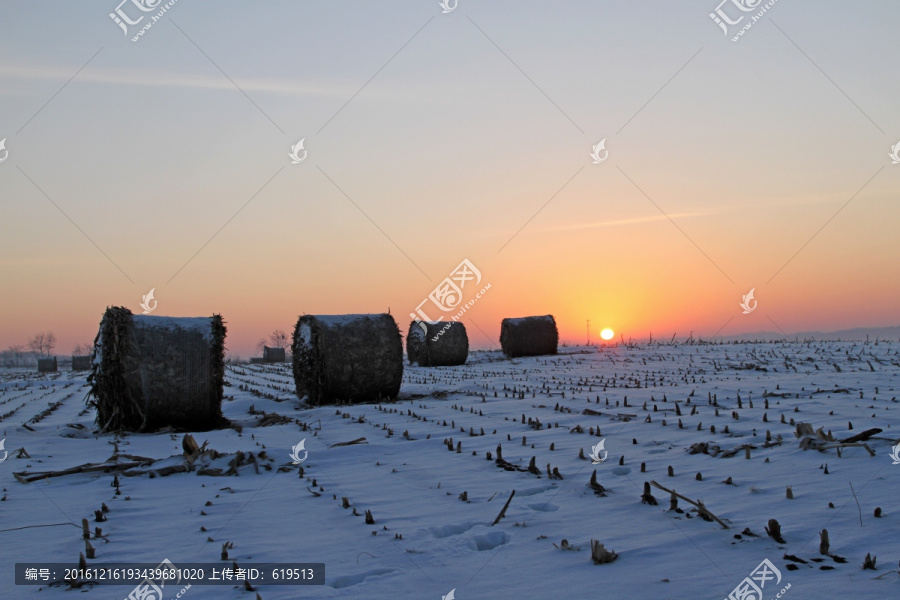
(42, 344)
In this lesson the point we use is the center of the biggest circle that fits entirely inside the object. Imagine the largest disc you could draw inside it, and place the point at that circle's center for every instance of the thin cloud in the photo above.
(156, 78)
(719, 210)
(632, 221)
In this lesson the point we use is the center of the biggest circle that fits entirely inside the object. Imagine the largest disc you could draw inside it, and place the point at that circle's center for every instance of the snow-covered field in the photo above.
(426, 540)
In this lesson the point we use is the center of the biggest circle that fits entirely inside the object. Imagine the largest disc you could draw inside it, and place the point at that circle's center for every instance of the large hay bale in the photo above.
(529, 336)
(81, 363)
(47, 365)
(347, 358)
(150, 372)
(440, 344)
(273, 355)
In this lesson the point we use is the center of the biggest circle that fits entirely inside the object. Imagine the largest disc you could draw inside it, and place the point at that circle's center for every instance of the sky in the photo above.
(431, 138)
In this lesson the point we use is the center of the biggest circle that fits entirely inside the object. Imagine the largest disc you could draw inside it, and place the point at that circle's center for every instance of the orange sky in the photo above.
(436, 138)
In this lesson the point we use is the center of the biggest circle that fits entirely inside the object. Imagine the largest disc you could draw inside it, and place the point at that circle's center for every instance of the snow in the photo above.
(520, 320)
(340, 320)
(418, 332)
(406, 476)
(305, 334)
(202, 325)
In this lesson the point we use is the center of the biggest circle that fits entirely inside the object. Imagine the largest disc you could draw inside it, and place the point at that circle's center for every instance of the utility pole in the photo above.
(588, 332)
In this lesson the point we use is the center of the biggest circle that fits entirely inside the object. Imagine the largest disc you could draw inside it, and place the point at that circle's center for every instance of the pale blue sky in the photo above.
(479, 119)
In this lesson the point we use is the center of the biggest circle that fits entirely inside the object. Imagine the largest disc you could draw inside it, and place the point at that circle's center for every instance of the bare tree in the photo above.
(260, 345)
(49, 342)
(37, 344)
(278, 339)
(16, 350)
(82, 349)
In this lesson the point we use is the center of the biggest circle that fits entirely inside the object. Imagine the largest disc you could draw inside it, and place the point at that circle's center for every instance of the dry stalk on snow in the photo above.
(869, 562)
(773, 529)
(701, 509)
(824, 544)
(598, 489)
(647, 497)
(601, 555)
(503, 511)
(565, 545)
(361, 440)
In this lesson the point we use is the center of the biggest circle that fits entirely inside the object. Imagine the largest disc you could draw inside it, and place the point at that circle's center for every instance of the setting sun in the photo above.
(607, 334)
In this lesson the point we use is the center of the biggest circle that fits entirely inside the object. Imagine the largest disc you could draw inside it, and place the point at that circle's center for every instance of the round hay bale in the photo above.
(440, 344)
(347, 358)
(150, 372)
(273, 355)
(81, 363)
(47, 365)
(529, 336)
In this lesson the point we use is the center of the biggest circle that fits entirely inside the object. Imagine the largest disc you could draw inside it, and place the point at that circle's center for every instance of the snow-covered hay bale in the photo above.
(47, 365)
(529, 336)
(81, 363)
(440, 344)
(273, 355)
(347, 358)
(150, 372)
